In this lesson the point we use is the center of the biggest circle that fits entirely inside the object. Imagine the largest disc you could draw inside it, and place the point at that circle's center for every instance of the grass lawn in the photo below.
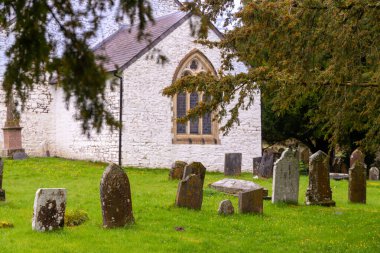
(282, 228)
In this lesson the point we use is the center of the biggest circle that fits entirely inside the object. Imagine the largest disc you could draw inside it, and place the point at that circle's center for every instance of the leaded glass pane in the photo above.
(194, 65)
(206, 120)
(194, 123)
(181, 112)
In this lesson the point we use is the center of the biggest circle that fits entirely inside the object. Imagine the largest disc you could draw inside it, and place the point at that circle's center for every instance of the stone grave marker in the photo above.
(256, 165)
(196, 168)
(373, 174)
(234, 186)
(20, 155)
(304, 155)
(319, 191)
(190, 192)
(266, 164)
(286, 178)
(226, 208)
(357, 155)
(115, 198)
(2, 192)
(339, 166)
(357, 183)
(176, 171)
(232, 164)
(339, 176)
(49, 209)
(251, 201)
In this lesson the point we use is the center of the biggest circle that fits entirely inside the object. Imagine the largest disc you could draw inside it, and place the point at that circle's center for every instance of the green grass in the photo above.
(345, 228)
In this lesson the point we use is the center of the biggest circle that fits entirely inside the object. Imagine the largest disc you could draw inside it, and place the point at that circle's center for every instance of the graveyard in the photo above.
(160, 226)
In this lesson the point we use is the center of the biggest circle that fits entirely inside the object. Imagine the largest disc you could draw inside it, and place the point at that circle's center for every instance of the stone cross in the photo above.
(251, 201)
(190, 192)
(49, 209)
(319, 191)
(373, 174)
(232, 164)
(176, 171)
(357, 183)
(266, 165)
(196, 168)
(115, 198)
(2, 192)
(286, 178)
(357, 155)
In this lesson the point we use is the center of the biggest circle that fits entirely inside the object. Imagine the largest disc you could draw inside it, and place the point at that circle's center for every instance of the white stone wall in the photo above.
(148, 128)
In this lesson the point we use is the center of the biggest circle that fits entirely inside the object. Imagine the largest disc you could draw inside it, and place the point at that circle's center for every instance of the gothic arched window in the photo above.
(202, 130)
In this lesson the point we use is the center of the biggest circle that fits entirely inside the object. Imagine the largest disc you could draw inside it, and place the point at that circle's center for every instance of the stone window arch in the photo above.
(202, 130)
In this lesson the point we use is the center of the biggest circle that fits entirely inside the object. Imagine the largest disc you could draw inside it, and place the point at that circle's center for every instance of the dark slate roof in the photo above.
(122, 48)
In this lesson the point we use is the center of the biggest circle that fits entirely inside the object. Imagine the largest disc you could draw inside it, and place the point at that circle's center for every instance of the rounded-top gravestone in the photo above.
(357, 183)
(357, 155)
(196, 168)
(374, 173)
(115, 197)
(226, 207)
(177, 169)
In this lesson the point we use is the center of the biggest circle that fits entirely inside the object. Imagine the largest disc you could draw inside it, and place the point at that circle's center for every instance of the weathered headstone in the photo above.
(304, 155)
(256, 165)
(2, 192)
(373, 174)
(176, 172)
(196, 168)
(339, 166)
(319, 191)
(234, 186)
(266, 164)
(357, 183)
(357, 155)
(190, 192)
(226, 207)
(115, 198)
(232, 164)
(20, 155)
(286, 178)
(251, 201)
(49, 209)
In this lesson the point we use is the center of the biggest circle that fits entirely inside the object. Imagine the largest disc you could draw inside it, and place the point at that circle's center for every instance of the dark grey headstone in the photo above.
(256, 165)
(19, 155)
(49, 209)
(115, 197)
(226, 207)
(266, 165)
(251, 201)
(190, 192)
(232, 164)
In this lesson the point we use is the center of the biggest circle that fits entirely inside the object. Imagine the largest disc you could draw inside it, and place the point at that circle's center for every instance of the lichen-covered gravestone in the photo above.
(2, 192)
(196, 168)
(232, 164)
(251, 201)
(357, 155)
(115, 198)
(319, 191)
(177, 169)
(190, 192)
(226, 207)
(286, 178)
(49, 209)
(357, 183)
(374, 173)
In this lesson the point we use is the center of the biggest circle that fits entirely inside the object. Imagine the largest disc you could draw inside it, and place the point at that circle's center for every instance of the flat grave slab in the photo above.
(234, 186)
(339, 176)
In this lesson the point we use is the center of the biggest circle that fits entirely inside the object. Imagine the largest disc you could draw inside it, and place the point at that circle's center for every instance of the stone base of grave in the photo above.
(8, 153)
(2, 195)
(321, 203)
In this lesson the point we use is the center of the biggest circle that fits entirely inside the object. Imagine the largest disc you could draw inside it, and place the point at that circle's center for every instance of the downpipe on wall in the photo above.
(120, 114)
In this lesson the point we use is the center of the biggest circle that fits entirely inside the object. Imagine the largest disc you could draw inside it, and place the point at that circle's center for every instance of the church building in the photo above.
(151, 137)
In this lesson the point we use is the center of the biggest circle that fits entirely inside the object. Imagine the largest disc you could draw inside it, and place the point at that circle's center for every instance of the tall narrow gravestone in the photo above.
(115, 197)
(357, 183)
(319, 191)
(232, 164)
(286, 178)
(190, 192)
(2, 192)
(373, 174)
(251, 201)
(49, 209)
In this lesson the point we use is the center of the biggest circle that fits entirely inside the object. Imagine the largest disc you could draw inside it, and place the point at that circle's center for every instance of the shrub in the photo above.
(75, 217)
